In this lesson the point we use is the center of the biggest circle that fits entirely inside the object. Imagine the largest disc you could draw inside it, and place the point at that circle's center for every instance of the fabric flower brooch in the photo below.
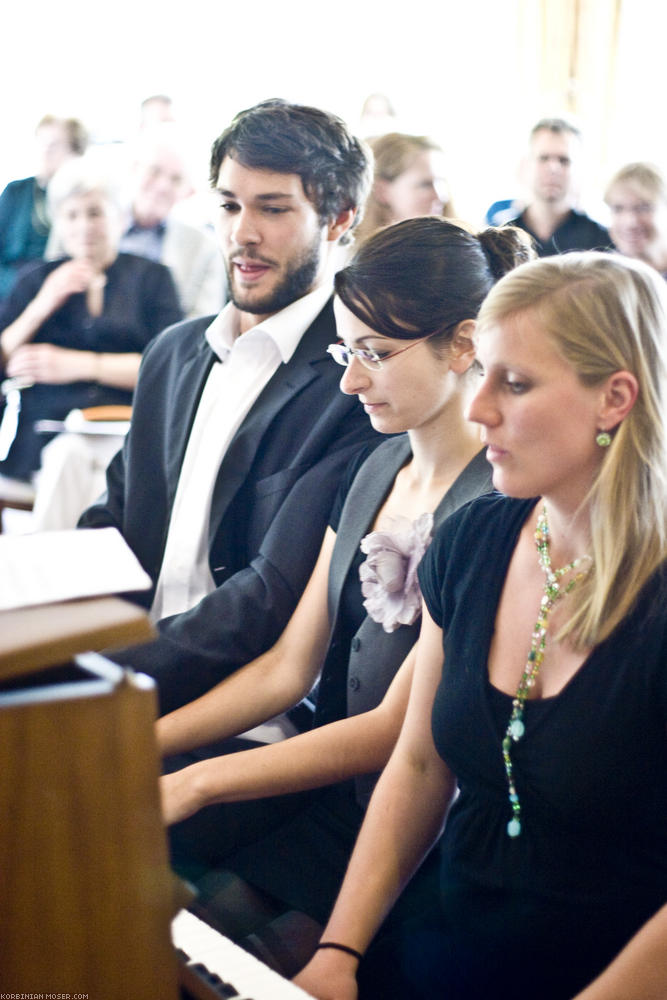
(389, 573)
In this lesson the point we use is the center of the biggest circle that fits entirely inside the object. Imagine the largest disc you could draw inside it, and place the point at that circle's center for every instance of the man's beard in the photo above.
(298, 280)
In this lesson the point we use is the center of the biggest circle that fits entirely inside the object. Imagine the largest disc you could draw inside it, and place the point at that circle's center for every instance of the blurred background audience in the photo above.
(155, 109)
(552, 174)
(24, 218)
(160, 178)
(73, 329)
(161, 210)
(637, 200)
(408, 182)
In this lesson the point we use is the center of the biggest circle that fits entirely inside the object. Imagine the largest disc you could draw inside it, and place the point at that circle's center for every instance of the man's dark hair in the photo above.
(333, 165)
(557, 125)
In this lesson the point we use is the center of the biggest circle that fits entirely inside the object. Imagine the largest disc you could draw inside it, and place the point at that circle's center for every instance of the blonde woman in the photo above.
(637, 200)
(540, 684)
(408, 182)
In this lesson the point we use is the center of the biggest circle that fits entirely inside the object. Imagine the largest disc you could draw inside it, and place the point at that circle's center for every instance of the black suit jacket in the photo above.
(270, 506)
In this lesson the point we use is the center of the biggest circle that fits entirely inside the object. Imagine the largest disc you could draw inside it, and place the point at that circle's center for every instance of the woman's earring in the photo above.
(603, 439)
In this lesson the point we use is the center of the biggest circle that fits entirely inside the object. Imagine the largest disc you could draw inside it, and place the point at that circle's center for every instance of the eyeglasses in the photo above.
(370, 359)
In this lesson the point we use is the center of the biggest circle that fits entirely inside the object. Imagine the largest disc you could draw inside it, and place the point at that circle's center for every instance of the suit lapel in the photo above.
(285, 383)
(184, 400)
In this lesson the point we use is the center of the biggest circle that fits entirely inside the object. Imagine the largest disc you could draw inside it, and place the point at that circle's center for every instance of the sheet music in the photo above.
(76, 422)
(50, 566)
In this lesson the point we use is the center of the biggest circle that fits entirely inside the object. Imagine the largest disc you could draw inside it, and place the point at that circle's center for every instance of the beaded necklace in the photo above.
(553, 592)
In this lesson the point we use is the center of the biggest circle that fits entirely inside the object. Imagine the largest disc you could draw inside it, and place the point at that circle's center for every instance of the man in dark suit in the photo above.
(239, 432)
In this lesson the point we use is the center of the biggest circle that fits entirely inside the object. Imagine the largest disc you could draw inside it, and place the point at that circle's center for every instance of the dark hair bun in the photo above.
(505, 247)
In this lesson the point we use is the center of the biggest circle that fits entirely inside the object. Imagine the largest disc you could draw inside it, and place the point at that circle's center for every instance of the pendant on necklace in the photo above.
(517, 729)
(514, 827)
(552, 592)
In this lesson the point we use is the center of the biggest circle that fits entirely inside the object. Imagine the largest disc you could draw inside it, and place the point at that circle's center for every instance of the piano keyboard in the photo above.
(251, 979)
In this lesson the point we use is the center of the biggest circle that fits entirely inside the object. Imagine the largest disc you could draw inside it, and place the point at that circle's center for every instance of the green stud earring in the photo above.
(603, 439)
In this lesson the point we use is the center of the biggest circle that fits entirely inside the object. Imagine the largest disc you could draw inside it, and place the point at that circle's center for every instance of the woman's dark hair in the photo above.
(426, 275)
(334, 167)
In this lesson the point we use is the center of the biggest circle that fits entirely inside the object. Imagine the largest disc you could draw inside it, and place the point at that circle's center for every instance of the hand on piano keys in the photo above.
(239, 972)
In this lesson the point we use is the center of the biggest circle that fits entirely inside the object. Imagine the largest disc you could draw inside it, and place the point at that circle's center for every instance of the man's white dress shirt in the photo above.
(244, 365)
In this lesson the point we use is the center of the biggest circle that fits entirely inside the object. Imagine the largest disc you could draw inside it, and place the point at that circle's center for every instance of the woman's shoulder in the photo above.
(473, 540)
(38, 269)
(373, 468)
(489, 512)
(481, 527)
(378, 460)
(30, 278)
(19, 188)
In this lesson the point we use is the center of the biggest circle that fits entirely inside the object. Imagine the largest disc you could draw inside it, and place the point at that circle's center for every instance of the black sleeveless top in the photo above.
(553, 906)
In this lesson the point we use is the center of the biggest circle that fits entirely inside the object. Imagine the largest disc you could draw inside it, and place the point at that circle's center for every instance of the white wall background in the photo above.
(464, 71)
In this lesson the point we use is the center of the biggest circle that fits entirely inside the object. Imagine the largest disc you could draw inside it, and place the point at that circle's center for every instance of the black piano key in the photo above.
(199, 983)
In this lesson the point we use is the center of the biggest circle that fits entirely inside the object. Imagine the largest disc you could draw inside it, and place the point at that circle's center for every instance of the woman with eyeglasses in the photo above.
(405, 309)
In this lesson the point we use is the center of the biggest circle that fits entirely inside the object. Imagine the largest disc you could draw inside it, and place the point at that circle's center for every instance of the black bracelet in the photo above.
(340, 947)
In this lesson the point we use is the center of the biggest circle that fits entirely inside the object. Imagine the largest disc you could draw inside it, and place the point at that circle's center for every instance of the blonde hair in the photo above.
(644, 176)
(606, 314)
(393, 154)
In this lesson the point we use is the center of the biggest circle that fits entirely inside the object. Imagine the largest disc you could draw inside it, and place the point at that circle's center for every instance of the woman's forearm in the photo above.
(409, 809)
(323, 756)
(48, 363)
(405, 815)
(247, 698)
(70, 277)
(267, 686)
(639, 972)
(119, 370)
(310, 760)
(403, 820)
(23, 328)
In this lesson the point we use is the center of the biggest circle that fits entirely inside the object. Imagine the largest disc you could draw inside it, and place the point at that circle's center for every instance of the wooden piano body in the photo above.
(87, 898)
(86, 894)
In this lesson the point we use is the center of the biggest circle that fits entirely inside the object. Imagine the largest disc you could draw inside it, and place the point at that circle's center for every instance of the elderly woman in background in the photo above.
(73, 329)
(408, 182)
(637, 200)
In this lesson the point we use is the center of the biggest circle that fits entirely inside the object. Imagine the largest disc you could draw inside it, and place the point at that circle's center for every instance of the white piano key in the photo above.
(234, 965)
